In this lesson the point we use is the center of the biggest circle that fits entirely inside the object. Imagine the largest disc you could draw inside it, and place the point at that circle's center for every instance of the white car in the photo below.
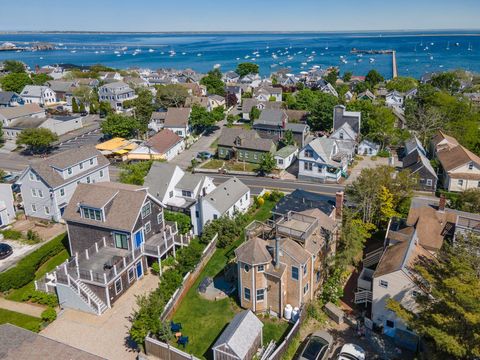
(351, 352)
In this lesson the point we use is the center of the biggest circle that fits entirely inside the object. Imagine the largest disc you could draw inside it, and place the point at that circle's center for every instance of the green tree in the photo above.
(40, 79)
(183, 221)
(74, 105)
(254, 113)
(82, 107)
(213, 82)
(2, 175)
(105, 108)
(449, 310)
(143, 107)
(321, 115)
(84, 94)
(374, 77)
(201, 119)
(332, 77)
(13, 66)
(469, 201)
(347, 76)
(247, 68)
(146, 318)
(380, 127)
(37, 139)
(288, 138)
(15, 82)
(402, 84)
(268, 163)
(172, 95)
(446, 81)
(135, 173)
(117, 125)
(387, 207)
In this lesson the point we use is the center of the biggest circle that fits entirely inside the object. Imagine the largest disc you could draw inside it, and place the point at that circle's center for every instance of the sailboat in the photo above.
(448, 45)
(470, 48)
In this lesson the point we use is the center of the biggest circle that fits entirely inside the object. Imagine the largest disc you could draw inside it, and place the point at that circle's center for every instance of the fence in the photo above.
(282, 348)
(189, 279)
(165, 351)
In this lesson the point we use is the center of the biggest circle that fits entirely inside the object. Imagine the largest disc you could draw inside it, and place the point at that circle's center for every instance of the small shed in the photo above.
(286, 156)
(241, 338)
(368, 148)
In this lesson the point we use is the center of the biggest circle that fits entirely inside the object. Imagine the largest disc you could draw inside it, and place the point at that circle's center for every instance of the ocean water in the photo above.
(417, 53)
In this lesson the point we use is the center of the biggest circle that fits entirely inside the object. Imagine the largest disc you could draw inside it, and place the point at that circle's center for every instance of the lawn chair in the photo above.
(175, 327)
(182, 340)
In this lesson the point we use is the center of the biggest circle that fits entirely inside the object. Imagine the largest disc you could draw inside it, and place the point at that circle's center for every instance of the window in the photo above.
(159, 218)
(309, 153)
(255, 156)
(308, 166)
(304, 267)
(148, 227)
(246, 267)
(47, 210)
(246, 155)
(34, 207)
(101, 173)
(81, 165)
(280, 161)
(170, 194)
(88, 180)
(121, 240)
(294, 273)
(246, 196)
(221, 151)
(260, 295)
(246, 294)
(470, 166)
(34, 192)
(118, 286)
(478, 185)
(31, 176)
(384, 284)
(62, 192)
(318, 275)
(40, 193)
(131, 274)
(415, 293)
(92, 214)
(146, 209)
(240, 154)
(341, 135)
(261, 268)
(186, 193)
(91, 161)
(390, 324)
(69, 171)
(305, 288)
(215, 216)
(460, 182)
(429, 182)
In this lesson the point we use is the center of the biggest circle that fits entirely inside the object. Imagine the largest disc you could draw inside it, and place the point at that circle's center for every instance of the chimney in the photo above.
(442, 203)
(338, 204)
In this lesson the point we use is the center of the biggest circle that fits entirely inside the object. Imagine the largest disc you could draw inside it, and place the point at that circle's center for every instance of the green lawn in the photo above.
(52, 263)
(274, 329)
(22, 320)
(203, 320)
(240, 166)
(212, 164)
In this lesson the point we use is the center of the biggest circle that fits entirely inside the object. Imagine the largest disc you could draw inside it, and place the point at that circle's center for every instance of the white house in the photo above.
(227, 199)
(164, 145)
(12, 114)
(394, 99)
(177, 120)
(460, 168)
(322, 161)
(342, 116)
(7, 208)
(58, 124)
(368, 148)
(36, 94)
(116, 94)
(267, 93)
(286, 156)
(47, 186)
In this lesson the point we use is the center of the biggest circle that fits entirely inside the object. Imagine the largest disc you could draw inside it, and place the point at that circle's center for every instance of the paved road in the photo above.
(184, 159)
(257, 184)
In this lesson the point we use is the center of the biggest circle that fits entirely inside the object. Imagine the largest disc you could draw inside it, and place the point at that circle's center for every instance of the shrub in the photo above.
(33, 237)
(156, 268)
(260, 201)
(383, 153)
(49, 315)
(12, 234)
(24, 271)
(275, 196)
(39, 297)
(182, 220)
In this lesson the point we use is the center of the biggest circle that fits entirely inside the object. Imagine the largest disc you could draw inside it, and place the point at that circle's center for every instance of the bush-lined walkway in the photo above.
(24, 308)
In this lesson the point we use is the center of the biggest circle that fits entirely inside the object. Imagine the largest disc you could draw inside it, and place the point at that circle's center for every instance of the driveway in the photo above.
(104, 335)
(205, 142)
(367, 162)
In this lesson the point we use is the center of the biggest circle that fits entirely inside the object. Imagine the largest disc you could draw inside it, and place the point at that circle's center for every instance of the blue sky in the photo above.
(243, 15)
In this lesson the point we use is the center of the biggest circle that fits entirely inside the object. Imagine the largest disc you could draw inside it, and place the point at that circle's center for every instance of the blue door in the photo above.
(139, 270)
(138, 238)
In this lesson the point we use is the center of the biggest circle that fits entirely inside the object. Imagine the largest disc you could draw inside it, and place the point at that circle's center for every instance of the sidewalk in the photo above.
(23, 308)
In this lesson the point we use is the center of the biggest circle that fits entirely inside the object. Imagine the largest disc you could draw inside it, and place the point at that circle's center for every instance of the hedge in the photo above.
(24, 271)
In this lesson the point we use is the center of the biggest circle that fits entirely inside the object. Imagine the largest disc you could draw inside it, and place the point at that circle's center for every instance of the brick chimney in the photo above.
(339, 204)
(442, 203)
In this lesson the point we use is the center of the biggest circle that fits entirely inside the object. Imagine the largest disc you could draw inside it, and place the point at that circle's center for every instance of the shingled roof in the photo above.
(253, 252)
(249, 139)
(456, 157)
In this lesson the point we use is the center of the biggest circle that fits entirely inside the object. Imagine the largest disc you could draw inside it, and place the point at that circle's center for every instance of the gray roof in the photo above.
(297, 127)
(323, 147)
(227, 194)
(253, 252)
(27, 122)
(241, 333)
(159, 177)
(6, 97)
(21, 344)
(189, 181)
(61, 86)
(413, 144)
(123, 211)
(271, 117)
(64, 160)
(33, 90)
(249, 139)
(286, 151)
(19, 111)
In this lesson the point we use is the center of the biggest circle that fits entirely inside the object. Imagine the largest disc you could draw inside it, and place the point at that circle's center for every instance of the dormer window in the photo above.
(470, 166)
(341, 135)
(81, 166)
(146, 210)
(69, 171)
(91, 161)
(309, 153)
(92, 214)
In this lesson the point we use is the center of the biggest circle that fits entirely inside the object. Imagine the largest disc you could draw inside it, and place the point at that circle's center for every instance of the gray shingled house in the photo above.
(241, 338)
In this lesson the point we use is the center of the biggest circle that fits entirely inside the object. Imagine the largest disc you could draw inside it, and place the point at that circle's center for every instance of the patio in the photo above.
(103, 260)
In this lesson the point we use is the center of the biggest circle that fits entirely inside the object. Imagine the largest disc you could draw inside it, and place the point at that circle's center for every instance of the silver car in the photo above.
(317, 347)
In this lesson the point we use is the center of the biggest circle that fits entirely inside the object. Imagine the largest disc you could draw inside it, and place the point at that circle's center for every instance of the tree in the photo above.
(332, 77)
(347, 76)
(446, 81)
(135, 173)
(448, 308)
(15, 82)
(254, 113)
(246, 68)
(146, 319)
(37, 139)
(387, 207)
(82, 107)
(84, 94)
(380, 127)
(288, 138)
(231, 120)
(183, 221)
(105, 108)
(200, 118)
(402, 84)
(172, 95)
(424, 120)
(143, 107)
(74, 105)
(268, 163)
(321, 116)
(213, 82)
(374, 77)
(2, 175)
(122, 126)
(469, 201)
(13, 66)
(40, 79)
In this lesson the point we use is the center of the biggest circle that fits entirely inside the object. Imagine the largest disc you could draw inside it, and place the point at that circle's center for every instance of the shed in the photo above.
(241, 338)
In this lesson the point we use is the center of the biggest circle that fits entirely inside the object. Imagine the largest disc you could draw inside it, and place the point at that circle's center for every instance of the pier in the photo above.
(380, 52)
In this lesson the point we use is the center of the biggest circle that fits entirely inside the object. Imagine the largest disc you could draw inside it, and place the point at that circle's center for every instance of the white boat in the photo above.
(470, 48)
(60, 44)
(217, 66)
(124, 48)
(448, 45)
(184, 53)
(151, 50)
(372, 60)
(431, 57)
(102, 52)
(116, 52)
(119, 55)
(457, 44)
(96, 52)
(41, 57)
(247, 57)
(162, 53)
(273, 56)
(273, 65)
(73, 51)
(238, 58)
(304, 64)
(138, 50)
(199, 54)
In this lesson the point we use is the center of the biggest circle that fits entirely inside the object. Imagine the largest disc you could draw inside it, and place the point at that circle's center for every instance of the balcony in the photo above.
(365, 279)
(161, 243)
(297, 226)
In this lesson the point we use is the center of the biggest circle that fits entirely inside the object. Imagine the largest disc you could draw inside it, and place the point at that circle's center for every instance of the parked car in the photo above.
(5, 251)
(317, 347)
(351, 352)
(204, 155)
(83, 113)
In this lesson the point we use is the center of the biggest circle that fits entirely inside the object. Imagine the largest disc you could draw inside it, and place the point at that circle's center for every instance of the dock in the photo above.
(381, 52)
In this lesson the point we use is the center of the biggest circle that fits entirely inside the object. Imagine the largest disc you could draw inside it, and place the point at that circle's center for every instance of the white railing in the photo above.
(363, 296)
(95, 304)
(372, 258)
(365, 279)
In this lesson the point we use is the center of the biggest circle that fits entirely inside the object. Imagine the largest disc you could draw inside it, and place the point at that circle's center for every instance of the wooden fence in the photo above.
(165, 351)
(189, 279)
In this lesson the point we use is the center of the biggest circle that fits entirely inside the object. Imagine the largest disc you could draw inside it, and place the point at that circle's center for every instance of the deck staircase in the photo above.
(87, 295)
(363, 296)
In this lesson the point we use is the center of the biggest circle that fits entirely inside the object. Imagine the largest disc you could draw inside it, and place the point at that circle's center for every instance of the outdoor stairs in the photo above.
(87, 295)
(372, 258)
